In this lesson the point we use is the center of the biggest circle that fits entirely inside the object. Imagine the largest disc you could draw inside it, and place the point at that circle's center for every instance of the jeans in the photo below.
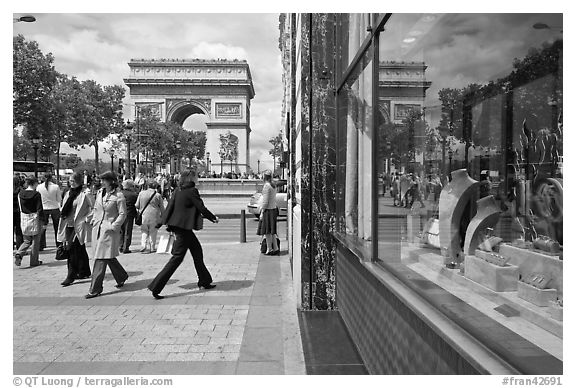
(32, 242)
(55, 215)
(126, 233)
(19, 238)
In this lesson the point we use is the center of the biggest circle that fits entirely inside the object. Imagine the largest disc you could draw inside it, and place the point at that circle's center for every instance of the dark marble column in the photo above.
(318, 162)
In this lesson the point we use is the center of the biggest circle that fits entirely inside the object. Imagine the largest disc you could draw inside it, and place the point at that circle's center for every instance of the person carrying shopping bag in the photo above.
(182, 216)
(31, 222)
(108, 215)
(150, 205)
(74, 229)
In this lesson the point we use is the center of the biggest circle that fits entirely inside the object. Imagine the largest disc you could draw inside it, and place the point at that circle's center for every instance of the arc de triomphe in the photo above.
(219, 89)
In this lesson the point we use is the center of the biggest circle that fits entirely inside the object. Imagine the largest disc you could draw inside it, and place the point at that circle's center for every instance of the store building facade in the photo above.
(425, 170)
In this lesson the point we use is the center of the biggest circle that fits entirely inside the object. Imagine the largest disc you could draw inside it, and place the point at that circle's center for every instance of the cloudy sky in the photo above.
(458, 49)
(99, 46)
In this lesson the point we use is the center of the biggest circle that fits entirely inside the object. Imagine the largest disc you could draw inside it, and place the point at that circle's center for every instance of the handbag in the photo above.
(165, 244)
(62, 253)
(138, 219)
(29, 223)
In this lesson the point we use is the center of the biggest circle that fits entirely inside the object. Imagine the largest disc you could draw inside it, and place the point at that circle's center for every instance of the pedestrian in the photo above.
(32, 222)
(127, 226)
(269, 215)
(51, 199)
(151, 205)
(182, 217)
(140, 182)
(74, 229)
(395, 191)
(86, 179)
(415, 192)
(18, 238)
(108, 215)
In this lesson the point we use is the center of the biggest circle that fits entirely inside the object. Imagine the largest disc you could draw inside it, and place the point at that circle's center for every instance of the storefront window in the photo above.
(469, 161)
(355, 153)
(353, 29)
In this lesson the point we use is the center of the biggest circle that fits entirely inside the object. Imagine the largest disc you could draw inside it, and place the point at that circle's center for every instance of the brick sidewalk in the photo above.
(247, 325)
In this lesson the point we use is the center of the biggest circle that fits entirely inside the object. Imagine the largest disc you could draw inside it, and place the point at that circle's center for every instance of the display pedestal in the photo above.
(531, 262)
(496, 278)
(556, 311)
(487, 216)
(536, 296)
(454, 198)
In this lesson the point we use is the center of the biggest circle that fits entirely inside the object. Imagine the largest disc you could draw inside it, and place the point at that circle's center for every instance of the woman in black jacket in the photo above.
(182, 217)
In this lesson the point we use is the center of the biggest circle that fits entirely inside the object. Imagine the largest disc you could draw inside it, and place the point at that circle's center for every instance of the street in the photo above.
(246, 325)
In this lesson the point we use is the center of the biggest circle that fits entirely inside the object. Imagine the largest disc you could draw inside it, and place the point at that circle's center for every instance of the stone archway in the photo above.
(219, 89)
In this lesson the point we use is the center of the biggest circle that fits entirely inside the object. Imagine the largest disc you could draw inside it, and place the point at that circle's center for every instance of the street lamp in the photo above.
(25, 18)
(258, 166)
(208, 163)
(178, 146)
(128, 133)
(35, 144)
(444, 133)
(112, 158)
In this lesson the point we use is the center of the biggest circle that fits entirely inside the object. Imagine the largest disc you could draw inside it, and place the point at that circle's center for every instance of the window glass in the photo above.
(355, 153)
(353, 29)
(469, 162)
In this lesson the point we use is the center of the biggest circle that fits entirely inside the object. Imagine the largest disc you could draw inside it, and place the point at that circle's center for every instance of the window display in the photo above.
(469, 158)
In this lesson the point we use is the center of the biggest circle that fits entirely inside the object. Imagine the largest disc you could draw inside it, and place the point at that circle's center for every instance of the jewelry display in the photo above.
(493, 258)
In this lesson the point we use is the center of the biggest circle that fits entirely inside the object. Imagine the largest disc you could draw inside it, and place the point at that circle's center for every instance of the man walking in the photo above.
(128, 225)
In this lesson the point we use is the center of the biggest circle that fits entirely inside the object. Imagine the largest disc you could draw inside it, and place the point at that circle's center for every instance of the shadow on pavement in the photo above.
(226, 285)
(138, 285)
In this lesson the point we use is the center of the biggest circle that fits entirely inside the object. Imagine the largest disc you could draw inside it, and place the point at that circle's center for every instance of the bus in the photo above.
(26, 167)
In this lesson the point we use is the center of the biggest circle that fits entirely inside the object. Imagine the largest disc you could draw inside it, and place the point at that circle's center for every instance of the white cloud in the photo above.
(207, 50)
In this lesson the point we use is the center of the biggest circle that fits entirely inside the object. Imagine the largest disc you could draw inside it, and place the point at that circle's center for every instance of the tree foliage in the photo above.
(33, 80)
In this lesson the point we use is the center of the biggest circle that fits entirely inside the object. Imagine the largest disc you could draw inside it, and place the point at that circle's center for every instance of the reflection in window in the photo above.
(472, 92)
(355, 113)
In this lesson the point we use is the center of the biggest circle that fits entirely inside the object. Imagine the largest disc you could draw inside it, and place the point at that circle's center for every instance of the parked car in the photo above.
(255, 203)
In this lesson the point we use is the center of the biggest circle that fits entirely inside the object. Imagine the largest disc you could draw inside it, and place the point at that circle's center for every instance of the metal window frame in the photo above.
(372, 40)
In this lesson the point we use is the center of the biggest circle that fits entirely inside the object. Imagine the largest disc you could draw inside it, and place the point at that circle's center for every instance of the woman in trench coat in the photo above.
(108, 216)
(74, 229)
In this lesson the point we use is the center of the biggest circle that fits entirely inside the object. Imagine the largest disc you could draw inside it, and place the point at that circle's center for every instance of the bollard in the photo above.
(243, 226)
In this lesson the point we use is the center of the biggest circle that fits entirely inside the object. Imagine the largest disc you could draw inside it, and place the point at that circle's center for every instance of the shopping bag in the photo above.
(30, 224)
(165, 243)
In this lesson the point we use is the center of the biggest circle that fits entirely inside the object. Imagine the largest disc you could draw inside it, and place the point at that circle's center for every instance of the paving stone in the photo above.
(185, 357)
(149, 357)
(172, 348)
(220, 356)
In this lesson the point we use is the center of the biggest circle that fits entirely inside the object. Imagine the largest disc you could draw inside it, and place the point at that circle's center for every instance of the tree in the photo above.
(276, 150)
(33, 79)
(99, 115)
(21, 145)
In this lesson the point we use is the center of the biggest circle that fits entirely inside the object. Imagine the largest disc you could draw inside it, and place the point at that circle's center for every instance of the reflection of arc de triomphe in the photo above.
(219, 89)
